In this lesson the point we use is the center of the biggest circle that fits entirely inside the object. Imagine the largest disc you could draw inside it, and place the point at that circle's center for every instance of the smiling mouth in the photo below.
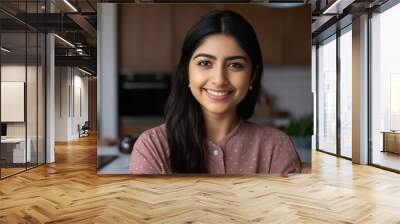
(218, 94)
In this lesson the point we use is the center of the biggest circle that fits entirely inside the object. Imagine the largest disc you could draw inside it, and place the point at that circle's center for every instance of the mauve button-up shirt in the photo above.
(247, 149)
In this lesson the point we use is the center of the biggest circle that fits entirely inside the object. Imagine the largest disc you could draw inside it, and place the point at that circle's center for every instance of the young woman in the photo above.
(214, 91)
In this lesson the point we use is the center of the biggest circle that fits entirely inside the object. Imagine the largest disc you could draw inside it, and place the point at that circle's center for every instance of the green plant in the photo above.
(302, 127)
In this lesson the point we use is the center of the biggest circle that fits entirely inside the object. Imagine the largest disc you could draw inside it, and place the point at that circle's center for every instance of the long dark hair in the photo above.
(184, 119)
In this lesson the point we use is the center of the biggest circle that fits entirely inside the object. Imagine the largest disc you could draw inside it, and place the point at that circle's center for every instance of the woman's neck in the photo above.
(218, 126)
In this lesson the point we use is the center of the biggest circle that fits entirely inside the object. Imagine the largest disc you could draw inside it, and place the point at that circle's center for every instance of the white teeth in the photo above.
(215, 93)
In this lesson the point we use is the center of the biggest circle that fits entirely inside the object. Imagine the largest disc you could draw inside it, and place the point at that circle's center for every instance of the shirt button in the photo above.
(215, 152)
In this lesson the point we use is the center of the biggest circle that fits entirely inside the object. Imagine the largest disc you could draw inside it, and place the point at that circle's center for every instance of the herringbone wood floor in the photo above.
(70, 191)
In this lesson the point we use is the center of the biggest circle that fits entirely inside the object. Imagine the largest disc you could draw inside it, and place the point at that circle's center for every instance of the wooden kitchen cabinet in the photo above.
(152, 35)
(145, 36)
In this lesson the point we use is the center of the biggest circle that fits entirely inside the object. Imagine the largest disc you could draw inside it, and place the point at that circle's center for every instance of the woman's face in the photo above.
(219, 74)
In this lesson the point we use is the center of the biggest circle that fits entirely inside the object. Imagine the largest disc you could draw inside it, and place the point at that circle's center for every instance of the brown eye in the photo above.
(236, 66)
(204, 63)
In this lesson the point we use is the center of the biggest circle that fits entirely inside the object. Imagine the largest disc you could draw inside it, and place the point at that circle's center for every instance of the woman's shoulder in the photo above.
(150, 152)
(153, 139)
(156, 131)
(154, 135)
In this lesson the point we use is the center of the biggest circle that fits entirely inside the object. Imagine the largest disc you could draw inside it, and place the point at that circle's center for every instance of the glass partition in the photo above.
(14, 153)
(22, 87)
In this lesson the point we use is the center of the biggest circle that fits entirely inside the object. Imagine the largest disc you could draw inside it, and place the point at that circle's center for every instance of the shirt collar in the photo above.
(227, 137)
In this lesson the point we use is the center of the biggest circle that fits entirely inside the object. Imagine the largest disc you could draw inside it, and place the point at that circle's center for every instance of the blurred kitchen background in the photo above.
(149, 39)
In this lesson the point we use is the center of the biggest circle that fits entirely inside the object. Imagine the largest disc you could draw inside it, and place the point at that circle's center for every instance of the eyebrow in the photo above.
(215, 58)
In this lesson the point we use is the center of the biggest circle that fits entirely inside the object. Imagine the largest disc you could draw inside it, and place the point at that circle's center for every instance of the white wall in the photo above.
(61, 103)
(70, 83)
(12, 101)
(17, 72)
(33, 125)
(79, 117)
(82, 82)
(13, 72)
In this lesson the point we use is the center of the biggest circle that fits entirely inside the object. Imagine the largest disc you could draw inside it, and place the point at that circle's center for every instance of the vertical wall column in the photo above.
(50, 98)
(50, 92)
(360, 90)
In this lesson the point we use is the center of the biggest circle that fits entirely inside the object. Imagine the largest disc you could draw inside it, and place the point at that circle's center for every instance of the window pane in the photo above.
(346, 94)
(327, 96)
(386, 88)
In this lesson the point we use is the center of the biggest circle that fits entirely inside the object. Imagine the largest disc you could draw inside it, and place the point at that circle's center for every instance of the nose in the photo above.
(220, 76)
